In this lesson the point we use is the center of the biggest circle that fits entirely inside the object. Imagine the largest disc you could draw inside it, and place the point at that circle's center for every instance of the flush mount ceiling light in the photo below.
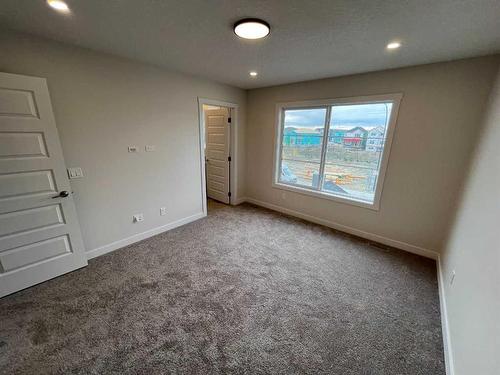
(59, 5)
(393, 45)
(253, 74)
(251, 28)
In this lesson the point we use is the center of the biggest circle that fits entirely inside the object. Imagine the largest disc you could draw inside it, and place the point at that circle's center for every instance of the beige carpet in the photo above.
(243, 291)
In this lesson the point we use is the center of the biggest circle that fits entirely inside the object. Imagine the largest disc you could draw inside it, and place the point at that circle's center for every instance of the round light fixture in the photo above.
(251, 28)
(253, 74)
(393, 45)
(59, 5)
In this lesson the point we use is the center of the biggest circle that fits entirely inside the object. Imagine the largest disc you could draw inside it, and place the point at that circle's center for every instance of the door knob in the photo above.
(62, 194)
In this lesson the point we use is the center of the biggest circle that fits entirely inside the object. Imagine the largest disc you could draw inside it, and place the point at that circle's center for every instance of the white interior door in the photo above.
(39, 232)
(217, 127)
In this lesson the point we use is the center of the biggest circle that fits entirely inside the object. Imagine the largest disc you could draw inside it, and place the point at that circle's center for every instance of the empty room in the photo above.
(250, 187)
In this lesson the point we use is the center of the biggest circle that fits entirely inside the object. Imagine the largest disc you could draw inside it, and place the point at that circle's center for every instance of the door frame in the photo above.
(233, 149)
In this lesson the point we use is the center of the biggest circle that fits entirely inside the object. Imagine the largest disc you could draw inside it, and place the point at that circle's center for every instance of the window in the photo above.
(336, 149)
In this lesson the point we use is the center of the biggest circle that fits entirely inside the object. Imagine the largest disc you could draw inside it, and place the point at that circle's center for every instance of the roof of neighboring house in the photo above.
(378, 129)
(357, 128)
(303, 131)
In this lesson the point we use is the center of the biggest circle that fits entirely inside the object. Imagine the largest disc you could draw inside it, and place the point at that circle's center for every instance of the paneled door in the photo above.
(39, 232)
(217, 124)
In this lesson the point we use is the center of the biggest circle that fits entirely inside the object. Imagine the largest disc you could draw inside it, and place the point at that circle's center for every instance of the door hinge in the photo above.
(229, 194)
(229, 158)
(229, 119)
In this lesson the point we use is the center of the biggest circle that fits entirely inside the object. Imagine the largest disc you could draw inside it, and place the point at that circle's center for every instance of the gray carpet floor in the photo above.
(243, 291)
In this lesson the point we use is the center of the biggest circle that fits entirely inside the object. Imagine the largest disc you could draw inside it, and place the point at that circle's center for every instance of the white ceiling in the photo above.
(308, 40)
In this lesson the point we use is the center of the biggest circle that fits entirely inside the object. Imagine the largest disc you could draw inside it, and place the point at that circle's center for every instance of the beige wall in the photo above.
(437, 127)
(473, 252)
(102, 105)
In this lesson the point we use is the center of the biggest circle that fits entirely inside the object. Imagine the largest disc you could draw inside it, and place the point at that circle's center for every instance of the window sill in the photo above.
(336, 198)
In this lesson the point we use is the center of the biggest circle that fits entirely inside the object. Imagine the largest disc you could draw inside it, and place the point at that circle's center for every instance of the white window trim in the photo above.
(280, 107)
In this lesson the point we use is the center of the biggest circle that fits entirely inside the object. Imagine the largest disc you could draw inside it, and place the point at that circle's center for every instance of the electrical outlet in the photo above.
(452, 278)
(138, 218)
(163, 211)
(132, 149)
(150, 148)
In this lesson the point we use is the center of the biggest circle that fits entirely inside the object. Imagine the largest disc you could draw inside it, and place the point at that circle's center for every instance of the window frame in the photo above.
(395, 98)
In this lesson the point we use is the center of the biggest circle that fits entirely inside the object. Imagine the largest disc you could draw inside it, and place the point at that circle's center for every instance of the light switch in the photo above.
(150, 148)
(75, 173)
(132, 149)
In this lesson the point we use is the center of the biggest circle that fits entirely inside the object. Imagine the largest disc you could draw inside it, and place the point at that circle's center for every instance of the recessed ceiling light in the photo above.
(253, 74)
(59, 5)
(393, 45)
(251, 28)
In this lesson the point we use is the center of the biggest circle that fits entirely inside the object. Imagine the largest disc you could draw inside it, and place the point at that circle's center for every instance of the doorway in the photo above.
(217, 152)
(218, 129)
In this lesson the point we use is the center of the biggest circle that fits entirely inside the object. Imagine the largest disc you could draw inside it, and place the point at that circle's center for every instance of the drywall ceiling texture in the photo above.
(308, 40)
(473, 300)
(437, 126)
(104, 104)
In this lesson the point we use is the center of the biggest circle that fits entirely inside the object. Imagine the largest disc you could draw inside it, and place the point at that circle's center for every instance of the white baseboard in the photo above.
(370, 236)
(238, 201)
(448, 356)
(448, 353)
(344, 228)
(141, 236)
